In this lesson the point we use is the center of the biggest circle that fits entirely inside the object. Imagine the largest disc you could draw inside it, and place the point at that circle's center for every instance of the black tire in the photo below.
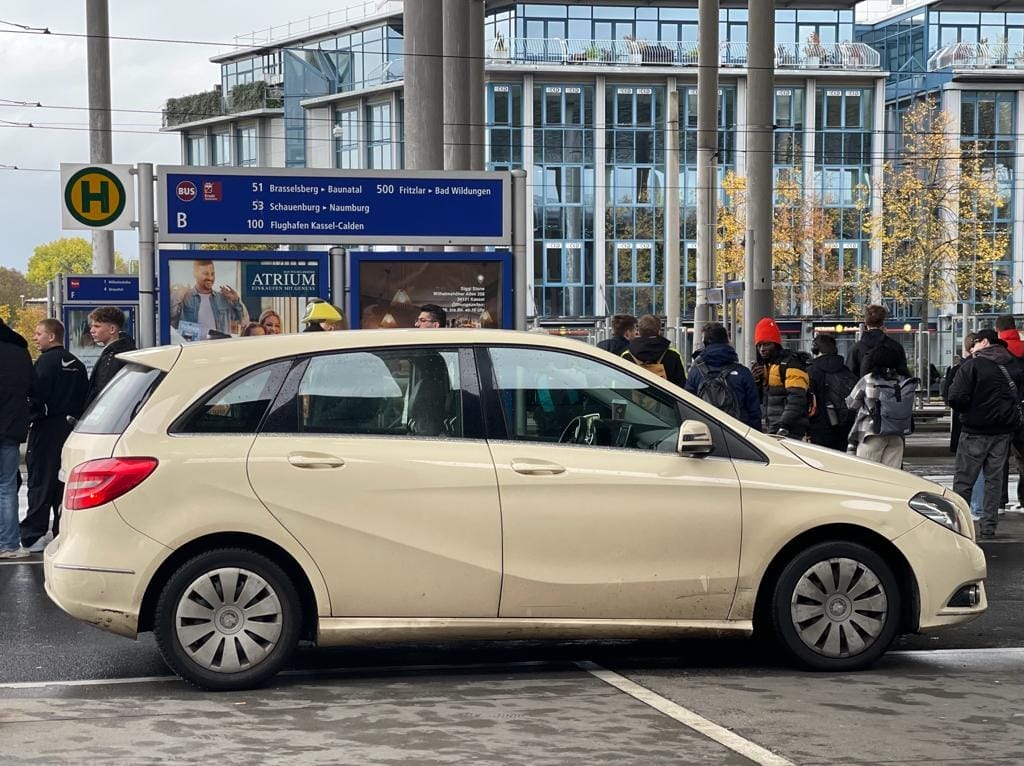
(251, 632)
(839, 625)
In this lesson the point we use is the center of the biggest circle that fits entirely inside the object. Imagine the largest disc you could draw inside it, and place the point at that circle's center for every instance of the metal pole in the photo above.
(519, 246)
(146, 330)
(673, 282)
(49, 301)
(457, 83)
(424, 136)
(97, 29)
(757, 277)
(58, 289)
(707, 149)
(337, 272)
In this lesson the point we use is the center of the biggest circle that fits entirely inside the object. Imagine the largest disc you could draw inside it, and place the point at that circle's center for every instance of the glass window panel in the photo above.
(852, 114)
(553, 108)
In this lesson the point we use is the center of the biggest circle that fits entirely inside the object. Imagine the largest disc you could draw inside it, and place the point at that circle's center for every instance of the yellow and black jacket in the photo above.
(784, 394)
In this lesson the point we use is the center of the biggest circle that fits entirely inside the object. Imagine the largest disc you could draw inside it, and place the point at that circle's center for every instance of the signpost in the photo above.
(98, 197)
(84, 292)
(307, 206)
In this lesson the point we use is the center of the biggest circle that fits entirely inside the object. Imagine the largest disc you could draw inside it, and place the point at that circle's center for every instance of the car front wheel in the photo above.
(227, 619)
(836, 606)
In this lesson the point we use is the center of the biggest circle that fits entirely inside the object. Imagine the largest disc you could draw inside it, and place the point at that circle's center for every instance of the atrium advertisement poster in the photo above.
(474, 289)
(211, 294)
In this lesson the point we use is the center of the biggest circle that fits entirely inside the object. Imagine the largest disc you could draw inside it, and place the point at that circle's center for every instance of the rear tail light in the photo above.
(99, 481)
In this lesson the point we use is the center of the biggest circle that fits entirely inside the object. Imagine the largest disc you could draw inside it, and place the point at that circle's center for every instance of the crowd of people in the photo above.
(863, 404)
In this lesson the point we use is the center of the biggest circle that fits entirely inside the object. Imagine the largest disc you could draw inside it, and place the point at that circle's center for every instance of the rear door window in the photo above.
(120, 401)
(238, 406)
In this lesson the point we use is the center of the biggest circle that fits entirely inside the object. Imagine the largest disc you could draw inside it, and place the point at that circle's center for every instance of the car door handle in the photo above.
(314, 460)
(537, 467)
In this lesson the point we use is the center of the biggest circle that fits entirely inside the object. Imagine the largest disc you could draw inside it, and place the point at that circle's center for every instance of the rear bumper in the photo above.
(100, 577)
(943, 563)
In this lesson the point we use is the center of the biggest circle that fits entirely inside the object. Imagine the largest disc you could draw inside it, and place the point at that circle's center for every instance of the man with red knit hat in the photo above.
(782, 378)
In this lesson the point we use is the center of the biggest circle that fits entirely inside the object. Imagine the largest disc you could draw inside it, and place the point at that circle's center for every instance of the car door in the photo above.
(601, 517)
(368, 459)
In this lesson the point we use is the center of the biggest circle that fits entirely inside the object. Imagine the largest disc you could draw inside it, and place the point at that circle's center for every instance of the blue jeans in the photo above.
(978, 496)
(10, 535)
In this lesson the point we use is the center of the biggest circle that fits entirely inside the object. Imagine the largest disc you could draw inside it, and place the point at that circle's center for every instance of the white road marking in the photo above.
(699, 724)
(86, 682)
(12, 562)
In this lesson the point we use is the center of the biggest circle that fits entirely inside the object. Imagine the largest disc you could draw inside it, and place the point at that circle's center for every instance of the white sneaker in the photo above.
(1014, 508)
(40, 545)
(15, 553)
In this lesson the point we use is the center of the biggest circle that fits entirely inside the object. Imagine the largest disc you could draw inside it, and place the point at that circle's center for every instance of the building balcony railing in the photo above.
(639, 53)
(977, 56)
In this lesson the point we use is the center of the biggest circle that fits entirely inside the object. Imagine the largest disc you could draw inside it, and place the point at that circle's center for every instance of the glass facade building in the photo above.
(584, 97)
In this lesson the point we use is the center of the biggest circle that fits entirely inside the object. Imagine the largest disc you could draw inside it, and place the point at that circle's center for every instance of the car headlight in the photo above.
(938, 509)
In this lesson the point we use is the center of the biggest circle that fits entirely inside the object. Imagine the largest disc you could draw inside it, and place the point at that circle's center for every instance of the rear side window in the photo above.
(120, 401)
(237, 407)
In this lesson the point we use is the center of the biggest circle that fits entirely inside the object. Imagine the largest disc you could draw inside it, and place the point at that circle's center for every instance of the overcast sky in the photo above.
(52, 70)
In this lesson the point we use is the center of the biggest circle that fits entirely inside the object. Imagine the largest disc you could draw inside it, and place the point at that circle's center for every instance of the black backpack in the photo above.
(714, 388)
(838, 386)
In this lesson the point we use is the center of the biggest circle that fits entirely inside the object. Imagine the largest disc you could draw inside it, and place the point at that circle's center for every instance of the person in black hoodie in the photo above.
(60, 385)
(872, 337)
(654, 353)
(105, 325)
(986, 396)
(623, 331)
(830, 383)
(15, 387)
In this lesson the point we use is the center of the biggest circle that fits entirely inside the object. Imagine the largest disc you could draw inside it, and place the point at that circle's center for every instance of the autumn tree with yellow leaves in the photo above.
(802, 230)
(936, 227)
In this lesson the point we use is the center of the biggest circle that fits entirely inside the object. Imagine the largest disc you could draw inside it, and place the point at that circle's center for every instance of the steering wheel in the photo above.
(579, 430)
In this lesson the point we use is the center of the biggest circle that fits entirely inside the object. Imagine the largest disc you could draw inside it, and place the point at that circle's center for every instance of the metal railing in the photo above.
(320, 22)
(977, 56)
(682, 54)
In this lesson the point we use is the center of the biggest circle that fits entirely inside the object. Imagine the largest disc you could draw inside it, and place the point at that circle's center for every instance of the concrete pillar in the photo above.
(601, 307)
(741, 126)
(757, 276)
(878, 152)
(424, 93)
(1017, 233)
(477, 91)
(97, 28)
(673, 280)
(457, 85)
(528, 165)
(810, 190)
(707, 149)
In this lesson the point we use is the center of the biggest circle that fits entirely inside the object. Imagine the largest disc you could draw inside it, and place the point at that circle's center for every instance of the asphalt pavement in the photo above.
(70, 693)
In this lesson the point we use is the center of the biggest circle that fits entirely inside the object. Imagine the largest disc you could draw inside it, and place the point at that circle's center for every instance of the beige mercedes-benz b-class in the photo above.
(237, 496)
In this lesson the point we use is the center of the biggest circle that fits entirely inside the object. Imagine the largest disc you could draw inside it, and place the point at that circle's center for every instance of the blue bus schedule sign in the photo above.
(288, 206)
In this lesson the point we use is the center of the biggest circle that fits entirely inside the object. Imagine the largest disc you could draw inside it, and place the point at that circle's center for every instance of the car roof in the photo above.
(251, 350)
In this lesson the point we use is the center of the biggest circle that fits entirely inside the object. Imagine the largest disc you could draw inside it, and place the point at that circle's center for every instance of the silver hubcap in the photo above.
(228, 620)
(839, 607)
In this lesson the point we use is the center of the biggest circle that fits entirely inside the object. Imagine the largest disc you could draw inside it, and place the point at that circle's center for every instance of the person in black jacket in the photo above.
(105, 325)
(650, 348)
(829, 425)
(15, 387)
(623, 331)
(872, 337)
(986, 395)
(60, 385)
(978, 493)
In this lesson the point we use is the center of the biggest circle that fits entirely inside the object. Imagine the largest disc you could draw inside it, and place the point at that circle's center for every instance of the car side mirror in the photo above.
(694, 439)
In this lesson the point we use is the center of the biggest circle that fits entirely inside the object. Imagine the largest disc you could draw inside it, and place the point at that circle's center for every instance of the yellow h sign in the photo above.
(95, 197)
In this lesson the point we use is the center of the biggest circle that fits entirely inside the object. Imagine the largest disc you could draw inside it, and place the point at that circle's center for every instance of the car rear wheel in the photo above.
(227, 619)
(836, 606)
